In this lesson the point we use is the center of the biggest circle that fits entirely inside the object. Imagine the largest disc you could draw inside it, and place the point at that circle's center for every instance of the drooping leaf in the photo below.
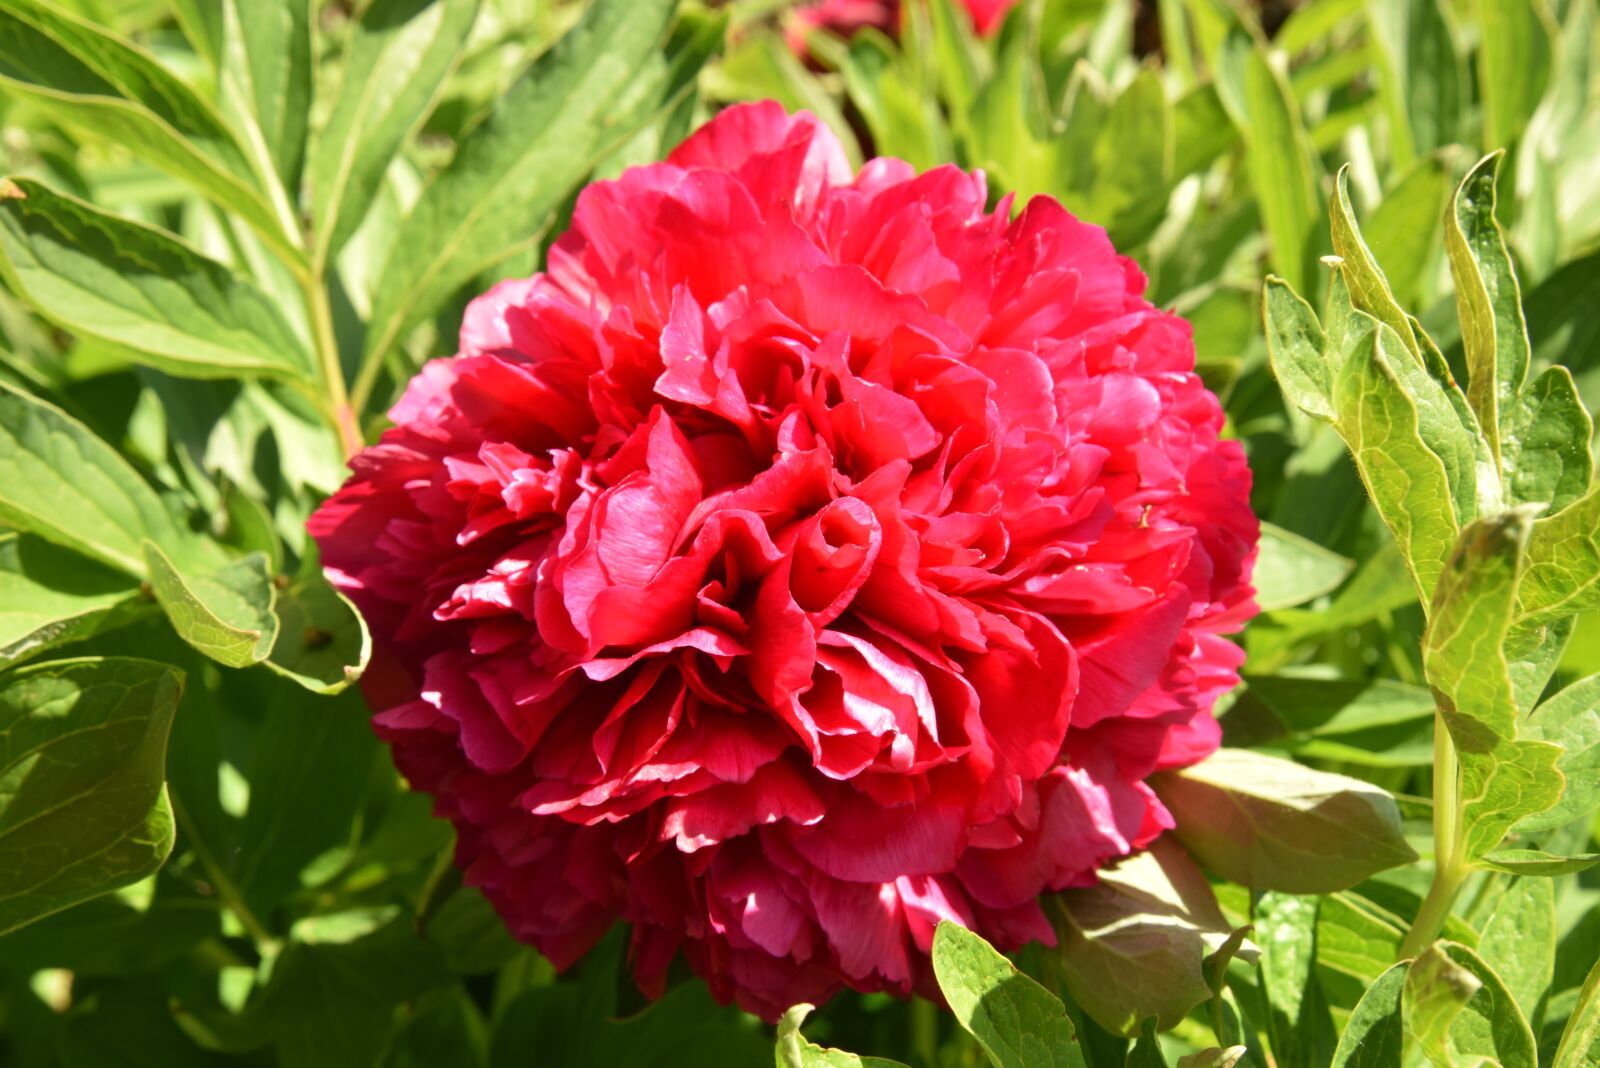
(88, 77)
(1437, 989)
(1374, 1037)
(322, 643)
(59, 481)
(1520, 937)
(226, 614)
(51, 597)
(83, 809)
(1536, 862)
(1018, 1023)
(1272, 824)
(1132, 946)
(153, 298)
(400, 55)
(606, 77)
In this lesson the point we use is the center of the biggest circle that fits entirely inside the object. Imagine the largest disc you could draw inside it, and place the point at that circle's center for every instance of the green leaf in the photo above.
(1563, 576)
(1374, 1036)
(1292, 570)
(1147, 1052)
(1272, 824)
(1437, 990)
(399, 57)
(59, 481)
(1405, 229)
(1423, 82)
(83, 809)
(1124, 182)
(1369, 288)
(1299, 1026)
(226, 614)
(323, 643)
(794, 1051)
(1535, 862)
(1214, 1058)
(1545, 449)
(1488, 299)
(1520, 937)
(1018, 1023)
(1515, 54)
(1295, 343)
(1132, 945)
(51, 597)
(603, 80)
(134, 287)
(1492, 1025)
(1514, 780)
(1580, 1042)
(1570, 719)
(904, 120)
(1281, 164)
(1315, 714)
(88, 77)
(266, 79)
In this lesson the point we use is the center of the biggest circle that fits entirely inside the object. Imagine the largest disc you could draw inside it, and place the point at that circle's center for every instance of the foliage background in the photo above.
(285, 926)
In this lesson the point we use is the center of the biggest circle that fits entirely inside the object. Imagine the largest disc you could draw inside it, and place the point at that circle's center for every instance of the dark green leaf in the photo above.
(1374, 1036)
(1018, 1023)
(1299, 1025)
(83, 809)
(51, 597)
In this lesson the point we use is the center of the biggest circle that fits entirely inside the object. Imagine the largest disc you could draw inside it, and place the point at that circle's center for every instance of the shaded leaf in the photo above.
(51, 597)
(794, 1051)
(1580, 1042)
(1018, 1023)
(1374, 1037)
(1535, 862)
(322, 643)
(226, 614)
(1492, 1025)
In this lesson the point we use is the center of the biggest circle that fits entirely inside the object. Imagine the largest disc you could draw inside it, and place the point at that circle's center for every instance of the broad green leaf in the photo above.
(1405, 229)
(1369, 288)
(605, 78)
(226, 614)
(1580, 1042)
(51, 597)
(59, 481)
(1299, 1026)
(83, 809)
(1373, 722)
(1132, 945)
(136, 288)
(1282, 166)
(323, 643)
(400, 54)
(1563, 575)
(1515, 53)
(1520, 937)
(1545, 448)
(794, 1051)
(1437, 990)
(1272, 824)
(266, 80)
(1202, 131)
(1018, 1023)
(1296, 345)
(1356, 937)
(1570, 719)
(1374, 1036)
(1499, 788)
(1536, 862)
(88, 77)
(1492, 1025)
(1422, 77)
(1292, 570)
(1488, 298)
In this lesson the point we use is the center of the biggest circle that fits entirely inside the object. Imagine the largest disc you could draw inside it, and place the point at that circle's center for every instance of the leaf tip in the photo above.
(10, 190)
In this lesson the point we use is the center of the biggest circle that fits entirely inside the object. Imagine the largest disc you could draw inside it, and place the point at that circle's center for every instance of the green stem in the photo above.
(330, 370)
(925, 1031)
(220, 882)
(1449, 867)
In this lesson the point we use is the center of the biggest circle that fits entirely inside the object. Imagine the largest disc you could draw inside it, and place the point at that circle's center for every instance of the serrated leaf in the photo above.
(400, 55)
(1437, 989)
(134, 287)
(90, 78)
(1374, 1036)
(83, 809)
(226, 614)
(1536, 862)
(51, 597)
(59, 481)
(1132, 946)
(266, 79)
(1580, 1042)
(1492, 1025)
(600, 82)
(1488, 299)
(1292, 570)
(794, 1051)
(1520, 937)
(1272, 824)
(322, 643)
(1570, 719)
(1018, 1023)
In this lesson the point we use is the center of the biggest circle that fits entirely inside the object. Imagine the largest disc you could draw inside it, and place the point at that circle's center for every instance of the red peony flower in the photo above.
(845, 17)
(803, 559)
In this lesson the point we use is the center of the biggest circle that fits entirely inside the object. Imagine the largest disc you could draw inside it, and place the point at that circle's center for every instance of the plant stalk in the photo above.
(328, 365)
(1449, 867)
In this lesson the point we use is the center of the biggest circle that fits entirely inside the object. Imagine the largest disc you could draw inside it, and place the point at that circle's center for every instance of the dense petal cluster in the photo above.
(803, 559)
(845, 17)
